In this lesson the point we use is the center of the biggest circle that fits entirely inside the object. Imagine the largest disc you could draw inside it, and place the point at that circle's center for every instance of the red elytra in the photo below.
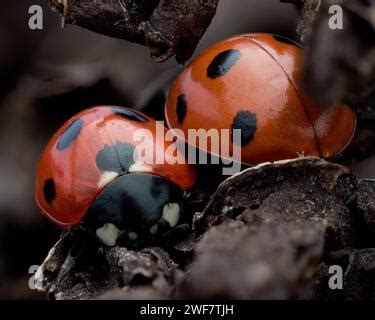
(252, 82)
(91, 150)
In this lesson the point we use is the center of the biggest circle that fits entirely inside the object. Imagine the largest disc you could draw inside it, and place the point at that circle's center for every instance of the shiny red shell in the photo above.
(253, 81)
(68, 175)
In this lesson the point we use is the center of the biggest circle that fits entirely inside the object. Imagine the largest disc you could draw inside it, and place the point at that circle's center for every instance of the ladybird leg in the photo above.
(61, 248)
(301, 154)
(176, 234)
(64, 246)
(86, 248)
(66, 267)
(76, 236)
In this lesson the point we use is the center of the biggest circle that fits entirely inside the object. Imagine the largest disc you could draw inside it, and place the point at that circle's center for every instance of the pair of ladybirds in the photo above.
(89, 176)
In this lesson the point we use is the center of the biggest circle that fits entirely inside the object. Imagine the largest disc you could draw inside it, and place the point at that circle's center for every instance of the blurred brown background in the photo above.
(48, 75)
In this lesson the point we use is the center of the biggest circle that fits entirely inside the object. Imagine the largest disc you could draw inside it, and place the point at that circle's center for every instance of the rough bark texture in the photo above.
(167, 27)
(340, 64)
(269, 232)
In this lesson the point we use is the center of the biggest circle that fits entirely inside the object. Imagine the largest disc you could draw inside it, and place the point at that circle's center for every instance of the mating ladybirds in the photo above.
(252, 83)
(89, 176)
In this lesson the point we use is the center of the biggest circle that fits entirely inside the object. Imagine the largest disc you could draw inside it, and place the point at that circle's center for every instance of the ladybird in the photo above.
(89, 176)
(252, 83)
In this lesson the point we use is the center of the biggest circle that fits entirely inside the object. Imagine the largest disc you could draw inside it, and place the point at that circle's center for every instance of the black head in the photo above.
(136, 207)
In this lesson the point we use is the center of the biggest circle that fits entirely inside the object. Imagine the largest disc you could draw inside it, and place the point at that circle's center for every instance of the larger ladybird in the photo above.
(252, 83)
(89, 175)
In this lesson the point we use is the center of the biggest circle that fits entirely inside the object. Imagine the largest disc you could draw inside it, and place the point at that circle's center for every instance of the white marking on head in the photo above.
(140, 167)
(106, 178)
(154, 229)
(108, 234)
(133, 236)
(171, 213)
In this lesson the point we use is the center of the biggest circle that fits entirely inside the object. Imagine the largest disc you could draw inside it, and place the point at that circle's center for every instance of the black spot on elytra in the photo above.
(130, 115)
(181, 108)
(117, 158)
(70, 134)
(222, 63)
(49, 190)
(245, 121)
(286, 40)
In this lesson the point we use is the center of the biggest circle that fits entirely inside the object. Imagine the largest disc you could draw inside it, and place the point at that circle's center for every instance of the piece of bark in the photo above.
(340, 64)
(167, 27)
(366, 205)
(256, 262)
(361, 148)
(77, 268)
(290, 215)
(308, 189)
(267, 232)
(358, 283)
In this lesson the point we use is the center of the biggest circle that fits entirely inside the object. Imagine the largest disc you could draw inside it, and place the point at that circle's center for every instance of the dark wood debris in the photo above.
(269, 232)
(167, 27)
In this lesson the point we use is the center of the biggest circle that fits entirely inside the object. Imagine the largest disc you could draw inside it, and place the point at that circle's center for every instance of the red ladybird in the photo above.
(252, 82)
(89, 175)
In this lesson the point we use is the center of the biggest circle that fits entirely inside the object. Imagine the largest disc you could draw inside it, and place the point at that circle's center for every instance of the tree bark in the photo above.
(167, 27)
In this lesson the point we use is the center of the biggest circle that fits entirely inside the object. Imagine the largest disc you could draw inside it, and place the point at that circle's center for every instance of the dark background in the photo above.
(48, 75)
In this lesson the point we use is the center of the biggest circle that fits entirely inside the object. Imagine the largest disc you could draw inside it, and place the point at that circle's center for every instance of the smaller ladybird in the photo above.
(89, 176)
(252, 83)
